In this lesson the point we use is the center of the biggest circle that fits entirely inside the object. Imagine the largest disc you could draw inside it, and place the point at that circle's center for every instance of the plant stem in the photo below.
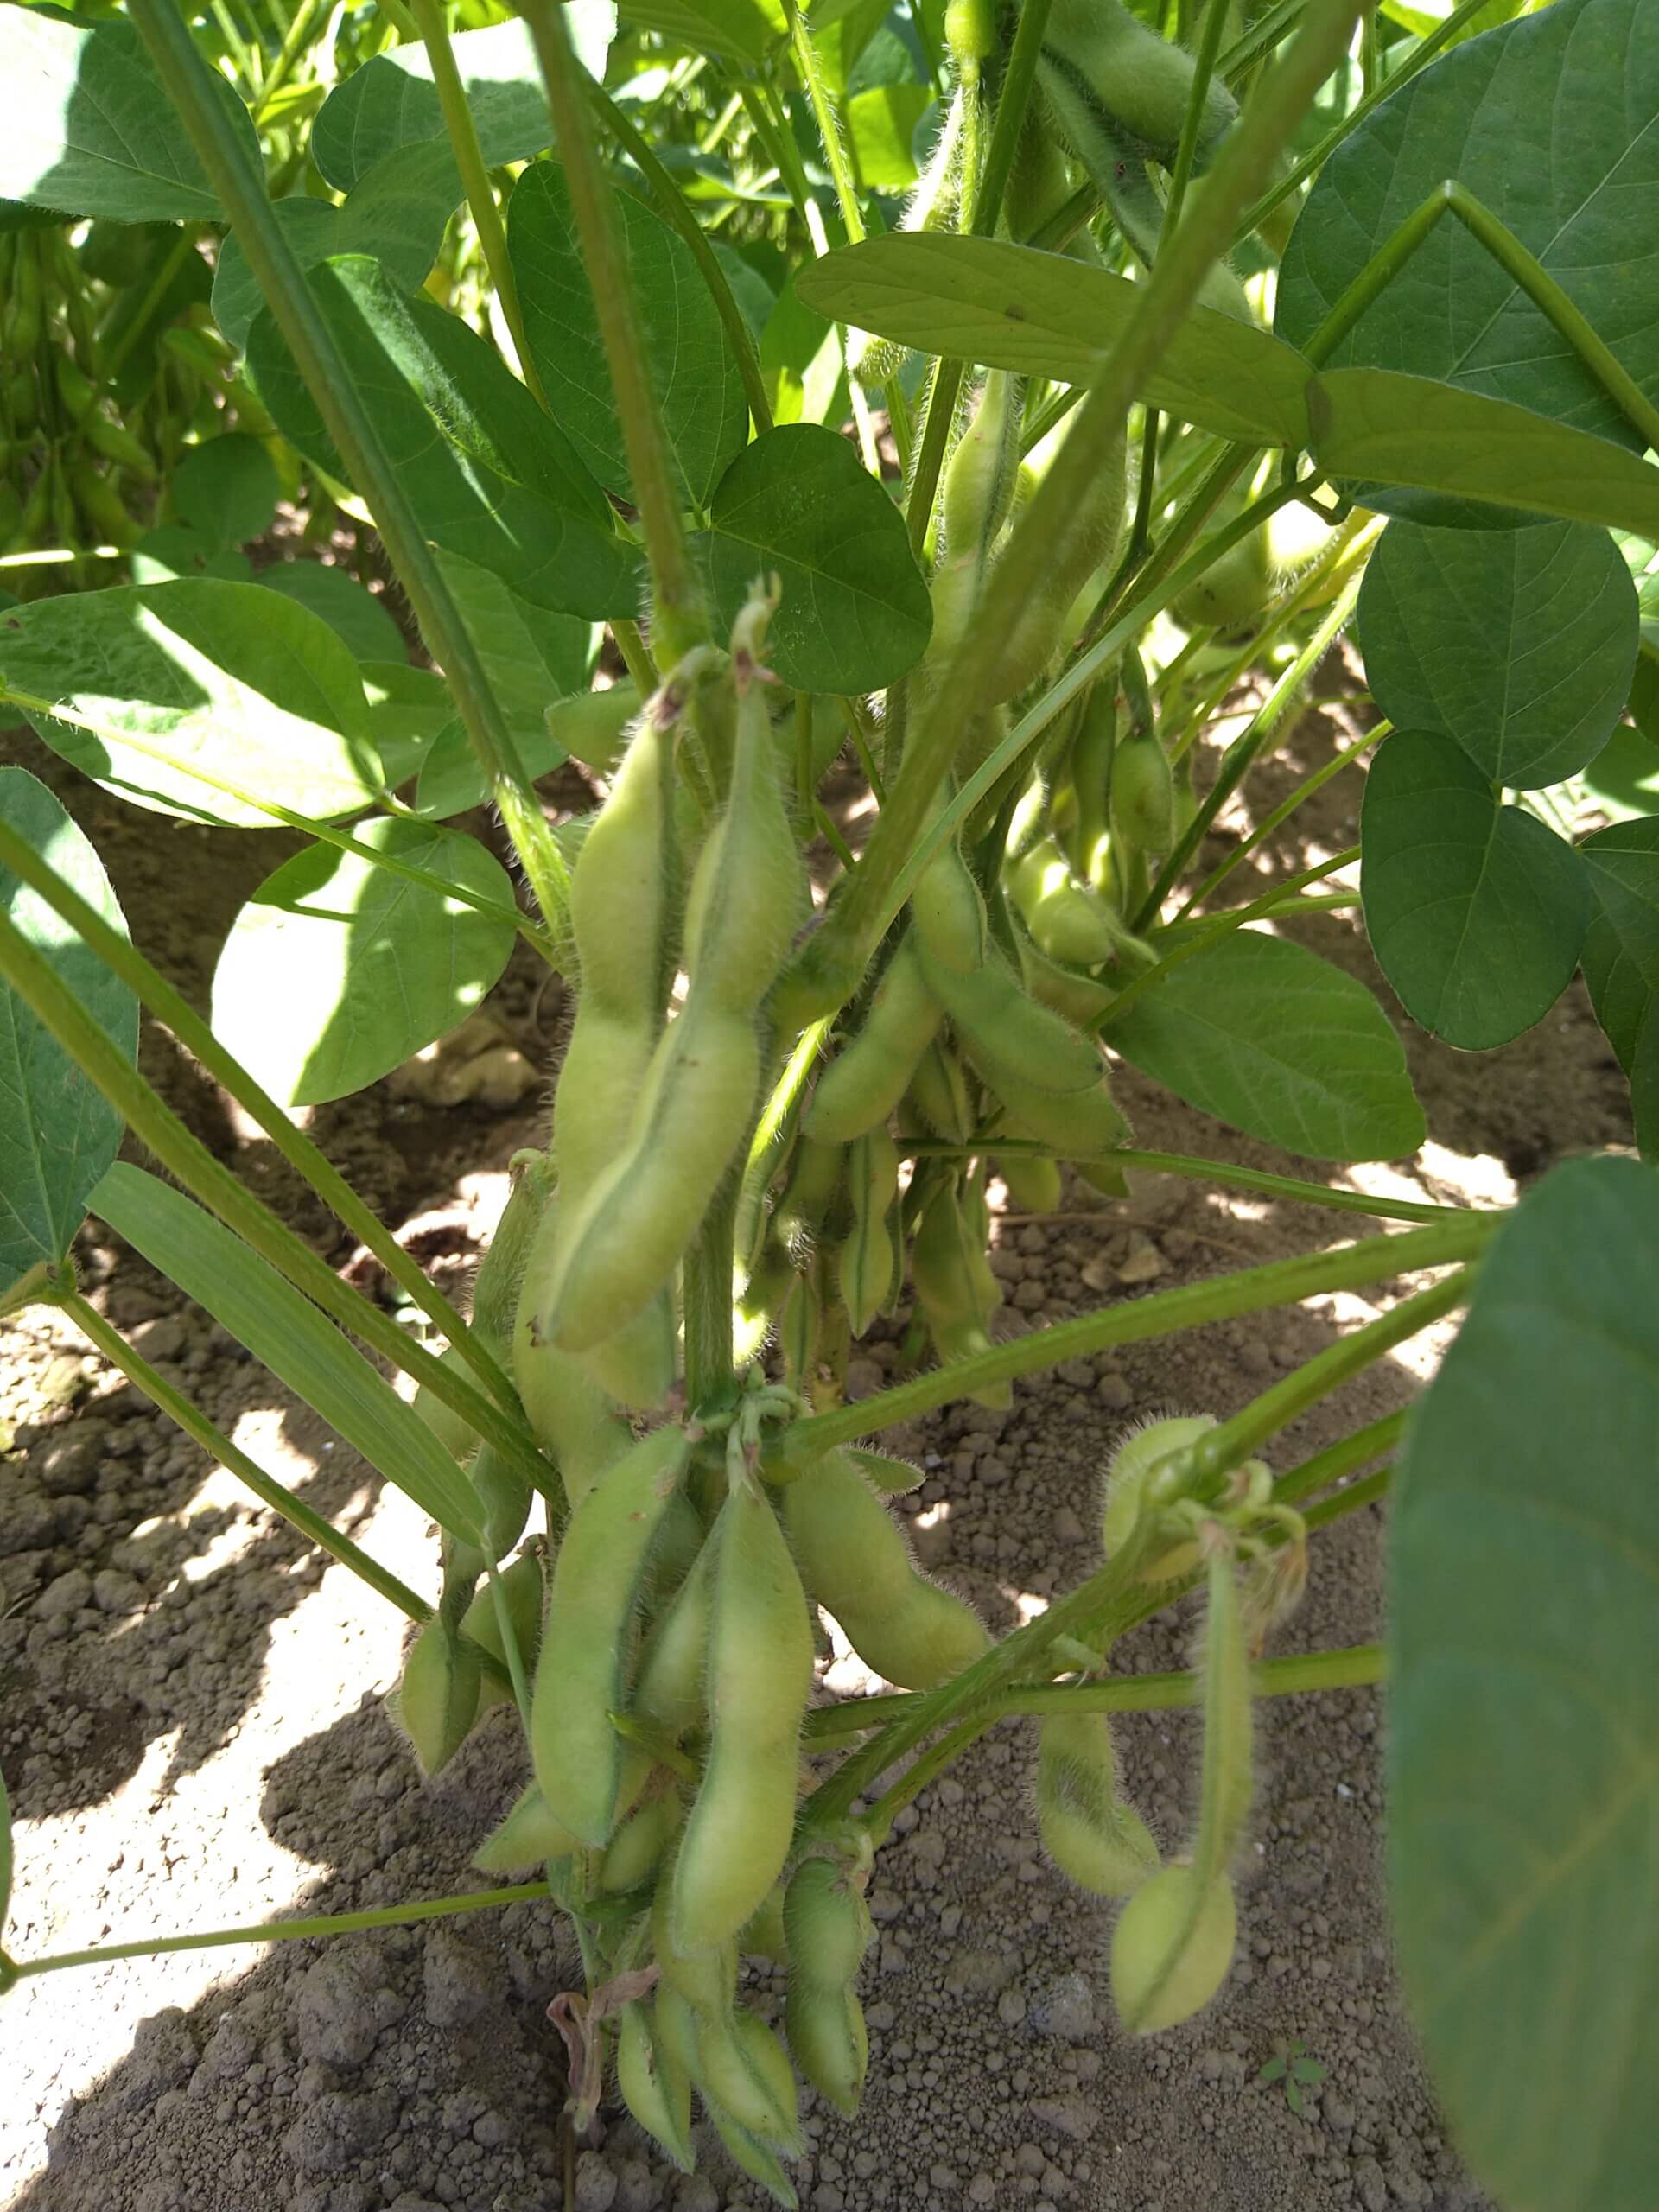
(197, 1427)
(1281, 1282)
(1281, 813)
(1338, 1460)
(241, 192)
(188, 1161)
(281, 1931)
(708, 1301)
(679, 618)
(475, 177)
(309, 17)
(301, 1153)
(1204, 65)
(1287, 1186)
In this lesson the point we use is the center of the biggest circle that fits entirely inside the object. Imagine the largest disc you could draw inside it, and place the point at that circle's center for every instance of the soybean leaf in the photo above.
(1518, 644)
(58, 1132)
(228, 678)
(1624, 775)
(802, 361)
(1477, 912)
(89, 129)
(408, 709)
(225, 489)
(162, 556)
(1264, 1035)
(354, 614)
(397, 215)
(489, 475)
(1523, 1737)
(694, 369)
(1577, 87)
(745, 29)
(1621, 955)
(1372, 424)
(855, 611)
(286, 1334)
(1010, 307)
(391, 100)
(532, 659)
(881, 124)
(335, 971)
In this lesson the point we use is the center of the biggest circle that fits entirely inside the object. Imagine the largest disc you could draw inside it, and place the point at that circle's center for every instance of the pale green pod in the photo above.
(501, 1271)
(826, 1923)
(764, 1935)
(571, 1416)
(438, 1699)
(1171, 1949)
(861, 1086)
(1007, 1034)
(938, 1093)
(637, 1848)
(1034, 1183)
(668, 1684)
(743, 2071)
(705, 1981)
(581, 1678)
(524, 1587)
(656, 2090)
(829, 2041)
(1099, 60)
(757, 2158)
(526, 1837)
(1143, 796)
(866, 1262)
(759, 1674)
(592, 727)
(1087, 1829)
(800, 1324)
(1126, 1477)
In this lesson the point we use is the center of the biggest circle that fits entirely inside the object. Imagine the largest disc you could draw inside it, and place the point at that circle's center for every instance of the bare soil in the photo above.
(192, 1729)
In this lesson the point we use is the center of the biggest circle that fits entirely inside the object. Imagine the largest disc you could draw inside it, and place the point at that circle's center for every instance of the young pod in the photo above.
(1034, 1182)
(1006, 1032)
(1126, 1474)
(827, 2040)
(757, 2158)
(1102, 65)
(531, 1180)
(637, 1848)
(979, 478)
(571, 1416)
(580, 1677)
(1068, 920)
(526, 1837)
(668, 1682)
(525, 1589)
(1143, 796)
(1090, 1831)
(592, 726)
(800, 1325)
(1171, 1949)
(855, 1557)
(656, 2090)
(827, 1925)
(939, 1095)
(764, 1935)
(861, 1086)
(867, 1256)
(744, 2071)
(759, 1674)
(707, 1982)
(437, 1700)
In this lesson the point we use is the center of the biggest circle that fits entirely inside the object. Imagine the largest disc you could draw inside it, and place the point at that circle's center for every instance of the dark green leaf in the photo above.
(286, 1334)
(1476, 911)
(228, 679)
(855, 611)
(408, 707)
(745, 29)
(335, 972)
(694, 368)
(532, 659)
(489, 474)
(1518, 644)
(1372, 424)
(225, 489)
(89, 129)
(1577, 85)
(1010, 307)
(57, 1133)
(1624, 775)
(171, 551)
(354, 616)
(1621, 958)
(1523, 1731)
(1266, 1035)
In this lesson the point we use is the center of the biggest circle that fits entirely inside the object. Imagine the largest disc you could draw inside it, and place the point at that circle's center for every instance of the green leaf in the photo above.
(1476, 911)
(228, 679)
(801, 360)
(397, 215)
(391, 100)
(798, 504)
(1517, 644)
(746, 29)
(489, 475)
(354, 614)
(881, 126)
(408, 709)
(1624, 776)
(89, 129)
(169, 551)
(57, 1133)
(1577, 85)
(1371, 424)
(532, 659)
(694, 369)
(335, 972)
(1010, 307)
(287, 1334)
(1264, 1035)
(225, 489)
(1523, 1736)
(1621, 958)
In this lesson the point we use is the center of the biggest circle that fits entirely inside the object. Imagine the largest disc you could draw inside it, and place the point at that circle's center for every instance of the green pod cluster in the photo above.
(827, 1927)
(869, 1253)
(855, 1561)
(867, 1077)
(1089, 1830)
(1108, 76)
(528, 1835)
(953, 1281)
(1068, 920)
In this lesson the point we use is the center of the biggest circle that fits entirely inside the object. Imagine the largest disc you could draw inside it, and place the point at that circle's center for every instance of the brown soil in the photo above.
(192, 1729)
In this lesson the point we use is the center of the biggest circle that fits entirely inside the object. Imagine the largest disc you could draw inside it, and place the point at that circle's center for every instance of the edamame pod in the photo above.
(829, 2041)
(1067, 919)
(744, 2071)
(668, 1686)
(1143, 796)
(1171, 1949)
(572, 1417)
(867, 1256)
(827, 1925)
(757, 2158)
(656, 2090)
(437, 1700)
(854, 1556)
(980, 477)
(759, 1674)
(861, 1087)
(938, 1092)
(525, 1588)
(706, 1983)
(528, 1835)
(638, 1846)
(501, 1271)
(1126, 1475)
(592, 726)
(581, 1675)
(1103, 68)
(1005, 1033)
(1090, 1831)
(1034, 1182)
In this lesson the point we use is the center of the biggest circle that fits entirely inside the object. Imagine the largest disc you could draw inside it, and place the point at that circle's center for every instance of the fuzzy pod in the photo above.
(853, 1555)
(757, 2158)
(759, 1674)
(668, 1693)
(1171, 1949)
(861, 1086)
(526, 1837)
(764, 1933)
(592, 727)
(524, 1585)
(572, 1418)
(829, 2041)
(1092, 1835)
(1068, 920)
(938, 1096)
(1005, 1032)
(706, 1983)
(980, 475)
(655, 2089)
(867, 1256)
(1105, 70)
(827, 1925)
(800, 1325)
(744, 2071)
(532, 1179)
(1126, 1474)
(636, 1850)
(1078, 1125)
(580, 1677)
(1034, 1183)
(952, 933)
(1143, 796)
(439, 1695)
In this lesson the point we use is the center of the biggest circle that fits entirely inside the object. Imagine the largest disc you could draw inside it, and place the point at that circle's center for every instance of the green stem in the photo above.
(1221, 926)
(241, 191)
(1287, 1186)
(196, 1426)
(301, 1153)
(281, 1931)
(1281, 814)
(679, 618)
(1338, 1460)
(671, 201)
(475, 177)
(1371, 1492)
(188, 1161)
(1204, 65)
(1244, 54)
(308, 18)
(1254, 1290)
(1240, 754)
(707, 1302)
